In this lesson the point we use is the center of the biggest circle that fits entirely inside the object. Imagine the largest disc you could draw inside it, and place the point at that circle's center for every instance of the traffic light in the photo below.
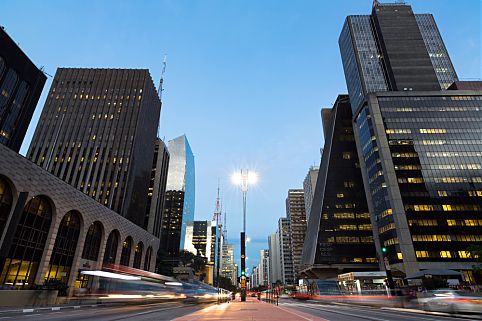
(384, 250)
(242, 273)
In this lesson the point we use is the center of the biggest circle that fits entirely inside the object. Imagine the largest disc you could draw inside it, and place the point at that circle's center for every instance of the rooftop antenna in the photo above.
(161, 89)
(42, 69)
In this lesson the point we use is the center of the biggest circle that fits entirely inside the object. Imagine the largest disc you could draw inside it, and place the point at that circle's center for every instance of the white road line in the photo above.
(299, 315)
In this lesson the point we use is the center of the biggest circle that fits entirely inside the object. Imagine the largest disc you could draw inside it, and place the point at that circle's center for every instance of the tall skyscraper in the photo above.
(309, 185)
(97, 132)
(21, 84)
(180, 196)
(295, 212)
(287, 273)
(157, 188)
(339, 237)
(274, 258)
(228, 268)
(419, 145)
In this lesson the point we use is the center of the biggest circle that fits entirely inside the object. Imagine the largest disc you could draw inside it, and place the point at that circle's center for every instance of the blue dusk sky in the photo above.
(245, 79)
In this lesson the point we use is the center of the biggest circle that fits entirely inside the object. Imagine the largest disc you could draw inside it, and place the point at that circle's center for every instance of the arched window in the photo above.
(111, 247)
(20, 267)
(138, 255)
(126, 251)
(147, 259)
(64, 248)
(5, 203)
(92, 242)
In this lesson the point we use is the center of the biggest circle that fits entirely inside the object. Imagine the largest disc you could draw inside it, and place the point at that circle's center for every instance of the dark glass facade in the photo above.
(393, 49)
(21, 84)
(97, 133)
(157, 188)
(422, 158)
(339, 236)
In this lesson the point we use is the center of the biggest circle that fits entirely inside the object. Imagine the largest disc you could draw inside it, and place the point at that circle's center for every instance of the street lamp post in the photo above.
(244, 178)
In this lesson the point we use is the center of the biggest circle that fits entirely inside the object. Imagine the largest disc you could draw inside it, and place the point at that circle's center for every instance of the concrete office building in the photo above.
(21, 84)
(287, 273)
(49, 230)
(295, 212)
(274, 258)
(97, 132)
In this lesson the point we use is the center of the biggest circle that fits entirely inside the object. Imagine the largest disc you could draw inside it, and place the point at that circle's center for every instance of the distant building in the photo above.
(263, 268)
(180, 196)
(275, 273)
(21, 84)
(228, 268)
(309, 185)
(295, 212)
(157, 189)
(201, 239)
(339, 237)
(97, 132)
(287, 273)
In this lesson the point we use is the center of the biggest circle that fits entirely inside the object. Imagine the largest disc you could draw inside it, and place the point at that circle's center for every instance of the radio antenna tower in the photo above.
(161, 89)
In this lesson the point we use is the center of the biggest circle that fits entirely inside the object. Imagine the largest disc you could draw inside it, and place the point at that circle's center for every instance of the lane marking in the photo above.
(56, 309)
(299, 315)
(27, 310)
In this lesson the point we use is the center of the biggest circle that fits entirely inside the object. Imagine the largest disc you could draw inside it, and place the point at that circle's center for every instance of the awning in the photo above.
(437, 272)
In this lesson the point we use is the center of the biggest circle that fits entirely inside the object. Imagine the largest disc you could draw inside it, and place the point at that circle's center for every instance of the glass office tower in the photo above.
(419, 144)
(339, 236)
(180, 196)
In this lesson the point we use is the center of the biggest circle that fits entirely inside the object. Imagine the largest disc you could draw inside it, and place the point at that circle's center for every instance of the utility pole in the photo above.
(217, 218)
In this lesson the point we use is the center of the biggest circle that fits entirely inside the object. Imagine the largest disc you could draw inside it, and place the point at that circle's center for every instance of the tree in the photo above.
(476, 253)
(227, 284)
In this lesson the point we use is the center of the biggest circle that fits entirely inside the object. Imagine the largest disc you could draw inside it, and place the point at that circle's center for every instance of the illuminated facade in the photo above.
(21, 84)
(180, 196)
(339, 237)
(228, 268)
(97, 132)
(419, 144)
(50, 231)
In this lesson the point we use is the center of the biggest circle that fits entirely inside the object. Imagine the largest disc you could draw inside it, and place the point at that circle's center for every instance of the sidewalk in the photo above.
(252, 310)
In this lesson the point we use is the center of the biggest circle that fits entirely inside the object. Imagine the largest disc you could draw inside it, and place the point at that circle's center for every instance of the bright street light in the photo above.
(243, 179)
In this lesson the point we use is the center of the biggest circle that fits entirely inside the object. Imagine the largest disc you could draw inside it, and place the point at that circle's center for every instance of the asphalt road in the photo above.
(335, 312)
(159, 311)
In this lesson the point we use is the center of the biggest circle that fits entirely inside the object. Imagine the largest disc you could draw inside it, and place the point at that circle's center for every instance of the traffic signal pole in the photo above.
(243, 267)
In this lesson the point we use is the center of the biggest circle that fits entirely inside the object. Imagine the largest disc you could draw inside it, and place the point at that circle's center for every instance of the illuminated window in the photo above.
(371, 260)
(442, 193)
(347, 155)
(445, 254)
(421, 254)
(464, 254)
(340, 195)
(399, 255)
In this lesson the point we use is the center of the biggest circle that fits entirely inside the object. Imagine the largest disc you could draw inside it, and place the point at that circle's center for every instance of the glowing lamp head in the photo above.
(244, 178)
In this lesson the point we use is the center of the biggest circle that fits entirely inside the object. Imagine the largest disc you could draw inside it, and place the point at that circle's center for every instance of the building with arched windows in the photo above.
(49, 230)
